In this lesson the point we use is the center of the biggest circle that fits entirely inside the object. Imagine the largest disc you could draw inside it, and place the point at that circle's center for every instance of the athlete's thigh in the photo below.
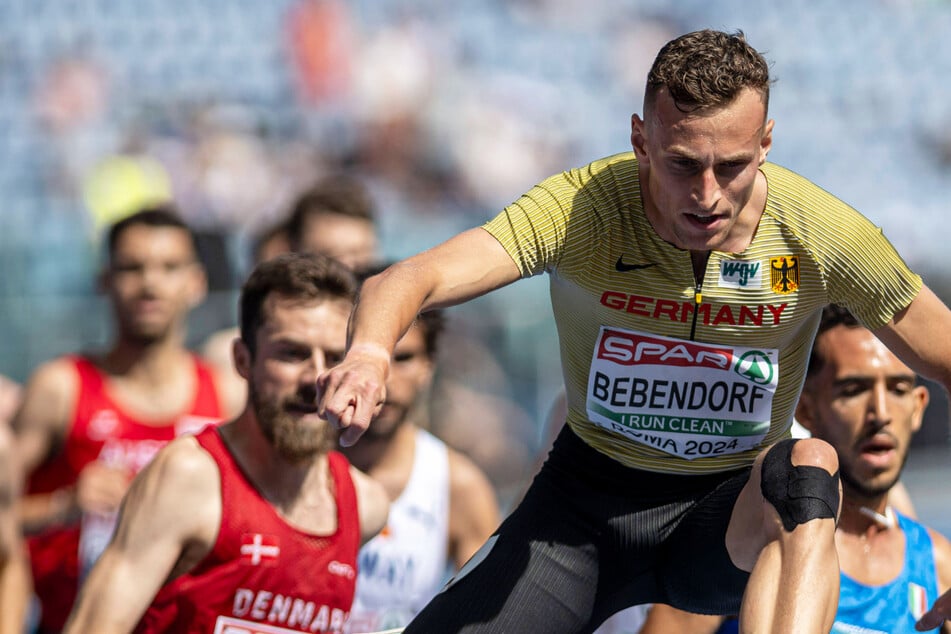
(538, 573)
(698, 574)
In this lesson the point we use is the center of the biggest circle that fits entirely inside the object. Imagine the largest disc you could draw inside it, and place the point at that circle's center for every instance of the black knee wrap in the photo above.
(798, 493)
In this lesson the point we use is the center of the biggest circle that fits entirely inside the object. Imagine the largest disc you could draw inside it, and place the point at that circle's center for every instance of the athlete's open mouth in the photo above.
(879, 452)
(299, 407)
(879, 443)
(703, 220)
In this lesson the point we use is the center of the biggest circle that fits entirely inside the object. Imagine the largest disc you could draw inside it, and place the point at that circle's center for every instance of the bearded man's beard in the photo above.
(293, 440)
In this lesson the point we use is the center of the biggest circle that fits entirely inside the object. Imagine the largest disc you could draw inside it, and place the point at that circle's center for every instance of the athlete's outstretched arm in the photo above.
(918, 335)
(466, 266)
(171, 514)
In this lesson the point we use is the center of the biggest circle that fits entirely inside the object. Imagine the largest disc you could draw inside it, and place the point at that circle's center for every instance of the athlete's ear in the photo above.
(639, 139)
(241, 356)
(922, 396)
(766, 142)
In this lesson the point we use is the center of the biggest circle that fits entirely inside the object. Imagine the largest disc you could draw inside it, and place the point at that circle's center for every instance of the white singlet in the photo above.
(403, 567)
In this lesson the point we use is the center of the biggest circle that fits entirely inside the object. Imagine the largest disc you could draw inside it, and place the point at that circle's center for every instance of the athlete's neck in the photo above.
(280, 481)
(389, 459)
(862, 515)
(152, 360)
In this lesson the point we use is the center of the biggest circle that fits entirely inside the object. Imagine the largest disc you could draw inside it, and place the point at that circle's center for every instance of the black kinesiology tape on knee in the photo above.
(799, 493)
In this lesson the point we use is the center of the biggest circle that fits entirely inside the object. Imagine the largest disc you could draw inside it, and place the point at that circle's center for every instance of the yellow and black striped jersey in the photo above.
(667, 374)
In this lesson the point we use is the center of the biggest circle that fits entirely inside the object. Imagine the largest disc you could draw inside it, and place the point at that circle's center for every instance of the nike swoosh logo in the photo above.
(623, 268)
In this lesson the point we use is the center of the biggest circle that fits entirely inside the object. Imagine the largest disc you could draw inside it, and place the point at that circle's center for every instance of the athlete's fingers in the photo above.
(349, 395)
(358, 422)
(350, 435)
(327, 385)
(347, 404)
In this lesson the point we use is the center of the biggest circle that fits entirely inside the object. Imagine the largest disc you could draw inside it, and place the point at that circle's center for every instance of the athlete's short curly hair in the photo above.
(296, 276)
(707, 69)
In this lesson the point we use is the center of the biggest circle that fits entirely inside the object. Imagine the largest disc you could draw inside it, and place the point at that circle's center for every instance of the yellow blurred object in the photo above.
(123, 184)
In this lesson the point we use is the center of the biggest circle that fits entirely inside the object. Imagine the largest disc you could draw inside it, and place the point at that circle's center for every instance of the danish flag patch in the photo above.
(259, 550)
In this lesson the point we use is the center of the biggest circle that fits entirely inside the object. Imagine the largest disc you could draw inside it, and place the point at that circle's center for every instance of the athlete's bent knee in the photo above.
(799, 493)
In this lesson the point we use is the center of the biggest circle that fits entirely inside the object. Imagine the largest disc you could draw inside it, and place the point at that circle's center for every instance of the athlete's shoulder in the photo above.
(175, 499)
(62, 371)
(811, 213)
(51, 393)
(793, 193)
(469, 486)
(373, 504)
(184, 461)
(619, 166)
(942, 555)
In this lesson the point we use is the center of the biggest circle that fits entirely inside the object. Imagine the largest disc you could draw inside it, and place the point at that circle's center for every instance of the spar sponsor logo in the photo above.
(685, 398)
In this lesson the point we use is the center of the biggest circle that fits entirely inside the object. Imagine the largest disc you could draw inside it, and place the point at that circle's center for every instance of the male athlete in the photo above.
(253, 526)
(443, 507)
(864, 401)
(89, 422)
(684, 350)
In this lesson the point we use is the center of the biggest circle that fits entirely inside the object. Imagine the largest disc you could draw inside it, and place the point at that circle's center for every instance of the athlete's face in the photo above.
(153, 280)
(864, 402)
(349, 240)
(411, 371)
(297, 341)
(698, 170)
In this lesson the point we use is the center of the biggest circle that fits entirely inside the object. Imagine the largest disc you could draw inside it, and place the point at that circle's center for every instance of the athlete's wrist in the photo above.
(369, 349)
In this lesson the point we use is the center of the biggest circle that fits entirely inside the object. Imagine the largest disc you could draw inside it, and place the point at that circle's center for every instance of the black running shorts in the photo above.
(590, 538)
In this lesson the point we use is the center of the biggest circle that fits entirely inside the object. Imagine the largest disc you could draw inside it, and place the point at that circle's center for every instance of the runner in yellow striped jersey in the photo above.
(629, 300)
(687, 281)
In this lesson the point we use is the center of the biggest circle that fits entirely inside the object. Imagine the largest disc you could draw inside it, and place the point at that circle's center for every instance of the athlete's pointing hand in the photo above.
(351, 393)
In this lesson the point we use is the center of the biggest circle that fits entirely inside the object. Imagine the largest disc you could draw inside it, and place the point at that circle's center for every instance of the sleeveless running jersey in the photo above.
(894, 607)
(100, 430)
(404, 566)
(264, 576)
(667, 373)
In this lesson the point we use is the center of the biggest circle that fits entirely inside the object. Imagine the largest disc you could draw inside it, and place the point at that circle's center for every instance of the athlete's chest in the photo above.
(638, 281)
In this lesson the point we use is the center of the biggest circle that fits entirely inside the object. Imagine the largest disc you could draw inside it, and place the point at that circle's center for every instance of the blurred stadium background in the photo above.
(449, 110)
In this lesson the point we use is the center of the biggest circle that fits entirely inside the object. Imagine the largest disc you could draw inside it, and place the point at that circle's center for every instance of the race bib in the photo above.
(689, 399)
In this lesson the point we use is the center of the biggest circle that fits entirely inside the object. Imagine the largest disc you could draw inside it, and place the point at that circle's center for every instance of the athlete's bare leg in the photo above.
(794, 583)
